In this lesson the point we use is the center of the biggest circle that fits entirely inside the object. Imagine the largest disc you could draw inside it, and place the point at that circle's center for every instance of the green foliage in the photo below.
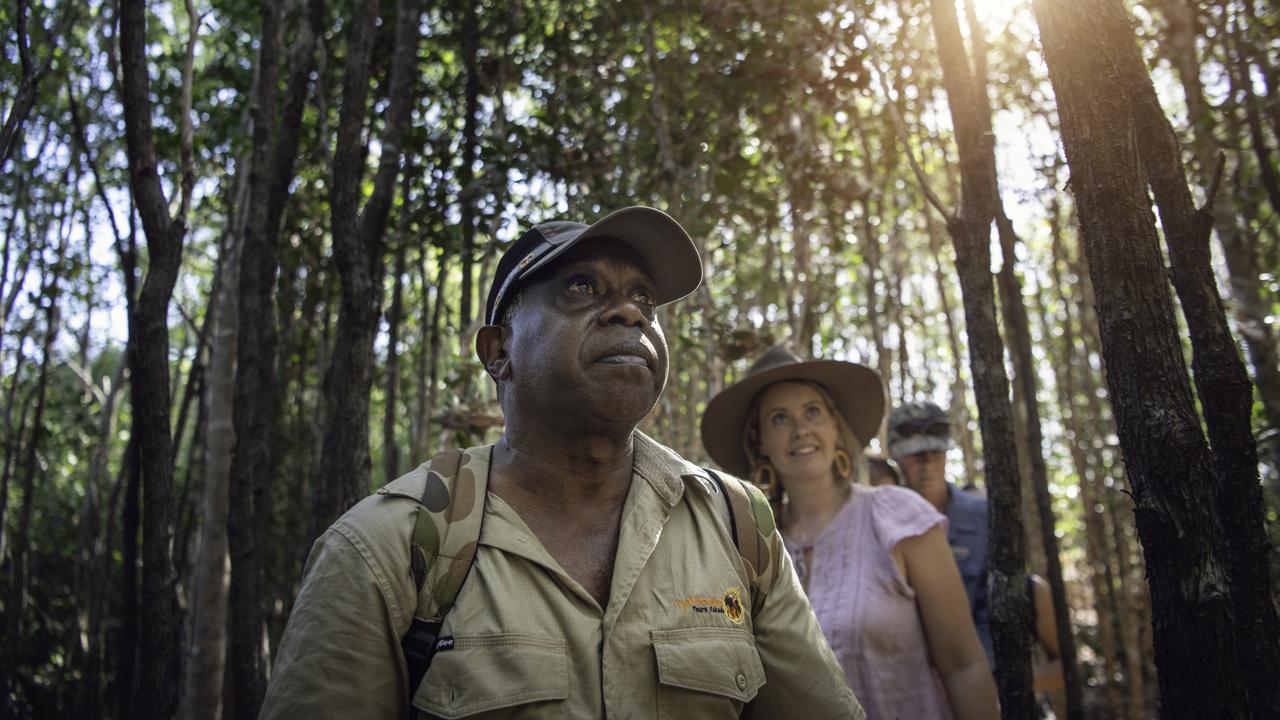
(761, 126)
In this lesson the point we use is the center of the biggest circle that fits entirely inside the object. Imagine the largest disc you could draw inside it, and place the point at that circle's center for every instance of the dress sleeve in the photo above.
(898, 513)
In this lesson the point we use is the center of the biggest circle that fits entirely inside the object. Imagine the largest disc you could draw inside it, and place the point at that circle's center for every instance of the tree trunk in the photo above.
(127, 646)
(95, 546)
(390, 451)
(342, 476)
(420, 436)
(149, 388)
(1097, 549)
(970, 231)
(1239, 246)
(1243, 94)
(467, 190)
(1134, 623)
(1169, 464)
(206, 661)
(438, 321)
(16, 602)
(1019, 329)
(1222, 385)
(871, 250)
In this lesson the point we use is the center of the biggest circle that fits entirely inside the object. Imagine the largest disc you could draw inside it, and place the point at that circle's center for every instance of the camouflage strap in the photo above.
(446, 531)
(751, 524)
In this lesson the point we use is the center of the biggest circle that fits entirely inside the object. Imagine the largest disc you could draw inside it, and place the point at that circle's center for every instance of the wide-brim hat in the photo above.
(856, 390)
(666, 249)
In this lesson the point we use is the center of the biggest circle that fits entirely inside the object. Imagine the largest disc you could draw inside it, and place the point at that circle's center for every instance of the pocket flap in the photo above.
(722, 661)
(486, 672)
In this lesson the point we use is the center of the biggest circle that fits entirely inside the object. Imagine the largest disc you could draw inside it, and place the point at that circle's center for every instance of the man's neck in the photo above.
(570, 466)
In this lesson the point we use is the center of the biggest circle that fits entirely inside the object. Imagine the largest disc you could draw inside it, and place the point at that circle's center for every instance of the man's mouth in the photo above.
(628, 353)
(624, 359)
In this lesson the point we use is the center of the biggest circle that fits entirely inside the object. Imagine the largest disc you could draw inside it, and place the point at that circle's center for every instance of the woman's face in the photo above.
(797, 431)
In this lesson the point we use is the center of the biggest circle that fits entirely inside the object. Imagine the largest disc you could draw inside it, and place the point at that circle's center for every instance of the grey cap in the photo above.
(917, 427)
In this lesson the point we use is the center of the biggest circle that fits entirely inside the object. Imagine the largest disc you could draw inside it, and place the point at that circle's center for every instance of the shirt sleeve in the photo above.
(898, 513)
(801, 673)
(340, 655)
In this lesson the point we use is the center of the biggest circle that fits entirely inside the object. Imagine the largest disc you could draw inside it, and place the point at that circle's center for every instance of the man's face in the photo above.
(923, 468)
(585, 342)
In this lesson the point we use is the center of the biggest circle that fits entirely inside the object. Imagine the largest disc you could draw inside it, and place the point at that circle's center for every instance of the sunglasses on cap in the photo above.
(907, 430)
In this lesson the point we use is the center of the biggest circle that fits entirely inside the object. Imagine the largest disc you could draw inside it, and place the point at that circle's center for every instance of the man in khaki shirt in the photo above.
(606, 582)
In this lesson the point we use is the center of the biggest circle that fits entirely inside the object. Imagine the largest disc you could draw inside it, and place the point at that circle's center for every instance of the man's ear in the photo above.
(490, 348)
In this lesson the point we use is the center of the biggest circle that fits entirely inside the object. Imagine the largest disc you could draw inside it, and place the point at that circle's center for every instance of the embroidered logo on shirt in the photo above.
(733, 605)
(729, 605)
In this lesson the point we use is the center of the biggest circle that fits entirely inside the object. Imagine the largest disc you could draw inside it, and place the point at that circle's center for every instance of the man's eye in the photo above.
(645, 297)
(582, 285)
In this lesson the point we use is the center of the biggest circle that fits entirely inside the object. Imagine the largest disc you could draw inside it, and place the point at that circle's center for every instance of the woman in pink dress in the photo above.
(873, 560)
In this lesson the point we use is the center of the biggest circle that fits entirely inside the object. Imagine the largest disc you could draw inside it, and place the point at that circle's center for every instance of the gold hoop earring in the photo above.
(844, 464)
(764, 477)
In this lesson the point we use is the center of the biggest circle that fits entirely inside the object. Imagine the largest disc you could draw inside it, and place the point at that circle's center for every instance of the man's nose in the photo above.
(623, 310)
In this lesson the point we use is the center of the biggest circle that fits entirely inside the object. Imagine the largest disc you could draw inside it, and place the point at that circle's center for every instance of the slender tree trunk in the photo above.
(958, 409)
(206, 661)
(390, 451)
(468, 191)
(16, 602)
(1018, 328)
(149, 334)
(1097, 549)
(871, 249)
(438, 321)
(95, 544)
(13, 445)
(254, 385)
(970, 231)
(1169, 464)
(1020, 333)
(422, 413)
(30, 75)
(130, 520)
(1242, 93)
(343, 475)
(270, 171)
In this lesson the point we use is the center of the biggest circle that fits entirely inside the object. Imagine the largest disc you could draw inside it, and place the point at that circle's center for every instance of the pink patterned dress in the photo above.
(865, 607)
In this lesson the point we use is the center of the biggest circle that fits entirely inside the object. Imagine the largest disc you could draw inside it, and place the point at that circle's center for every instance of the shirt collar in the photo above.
(664, 470)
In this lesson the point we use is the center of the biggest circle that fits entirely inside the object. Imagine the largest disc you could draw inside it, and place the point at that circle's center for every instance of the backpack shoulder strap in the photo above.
(750, 523)
(446, 531)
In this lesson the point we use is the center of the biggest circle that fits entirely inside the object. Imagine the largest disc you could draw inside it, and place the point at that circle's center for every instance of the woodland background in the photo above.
(246, 246)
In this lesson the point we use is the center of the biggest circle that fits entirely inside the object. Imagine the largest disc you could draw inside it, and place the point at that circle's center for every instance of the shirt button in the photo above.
(742, 681)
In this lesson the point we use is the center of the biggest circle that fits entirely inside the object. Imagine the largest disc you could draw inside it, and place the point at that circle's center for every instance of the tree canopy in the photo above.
(246, 248)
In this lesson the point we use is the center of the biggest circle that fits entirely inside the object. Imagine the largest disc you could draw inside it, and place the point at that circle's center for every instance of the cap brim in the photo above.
(667, 250)
(918, 444)
(855, 389)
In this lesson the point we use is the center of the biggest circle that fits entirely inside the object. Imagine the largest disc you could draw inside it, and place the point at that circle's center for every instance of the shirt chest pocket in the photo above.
(496, 676)
(706, 672)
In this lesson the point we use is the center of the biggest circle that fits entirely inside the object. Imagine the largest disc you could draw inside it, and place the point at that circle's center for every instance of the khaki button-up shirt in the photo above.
(678, 638)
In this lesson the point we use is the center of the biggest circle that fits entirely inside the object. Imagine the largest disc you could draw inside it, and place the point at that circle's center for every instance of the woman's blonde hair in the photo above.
(845, 440)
